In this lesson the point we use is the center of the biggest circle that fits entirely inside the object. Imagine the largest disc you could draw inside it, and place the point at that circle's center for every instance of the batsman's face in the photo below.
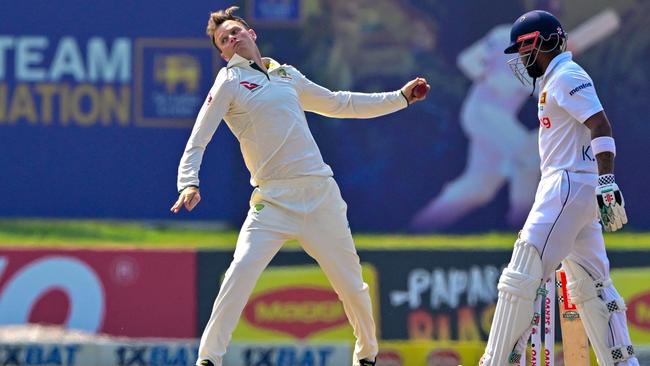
(527, 60)
(232, 37)
(531, 62)
(526, 53)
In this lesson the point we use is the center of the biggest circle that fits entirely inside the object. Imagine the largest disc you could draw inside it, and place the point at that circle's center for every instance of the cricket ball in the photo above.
(420, 90)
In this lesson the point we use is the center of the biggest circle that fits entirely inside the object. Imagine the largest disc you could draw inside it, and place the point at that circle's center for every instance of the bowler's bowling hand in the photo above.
(415, 90)
(188, 198)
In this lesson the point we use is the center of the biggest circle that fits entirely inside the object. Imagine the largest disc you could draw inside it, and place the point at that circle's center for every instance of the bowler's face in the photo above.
(232, 37)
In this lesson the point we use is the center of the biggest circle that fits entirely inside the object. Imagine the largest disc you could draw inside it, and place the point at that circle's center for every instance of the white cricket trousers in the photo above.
(307, 209)
(563, 223)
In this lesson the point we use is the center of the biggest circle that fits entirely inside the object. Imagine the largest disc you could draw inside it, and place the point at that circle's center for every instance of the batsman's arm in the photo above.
(599, 126)
(610, 200)
(212, 112)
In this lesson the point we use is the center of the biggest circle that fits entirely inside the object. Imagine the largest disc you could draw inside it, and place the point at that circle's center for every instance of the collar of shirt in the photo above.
(238, 61)
(559, 59)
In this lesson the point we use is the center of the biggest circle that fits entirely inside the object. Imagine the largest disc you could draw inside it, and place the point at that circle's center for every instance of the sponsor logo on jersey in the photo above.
(542, 98)
(580, 87)
(250, 86)
(587, 154)
(209, 98)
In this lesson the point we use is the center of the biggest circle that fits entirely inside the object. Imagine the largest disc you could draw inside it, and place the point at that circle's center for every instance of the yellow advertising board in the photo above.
(429, 353)
(433, 353)
(298, 303)
(634, 286)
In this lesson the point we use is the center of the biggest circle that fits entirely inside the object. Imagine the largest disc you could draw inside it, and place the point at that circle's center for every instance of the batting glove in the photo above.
(611, 205)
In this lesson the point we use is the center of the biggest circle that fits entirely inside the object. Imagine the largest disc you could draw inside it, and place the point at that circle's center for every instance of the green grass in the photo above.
(125, 234)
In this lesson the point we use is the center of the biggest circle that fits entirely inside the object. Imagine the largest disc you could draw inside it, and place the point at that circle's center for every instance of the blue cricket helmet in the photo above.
(534, 21)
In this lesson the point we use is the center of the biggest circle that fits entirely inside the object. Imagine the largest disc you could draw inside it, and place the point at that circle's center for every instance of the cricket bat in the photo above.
(575, 344)
(595, 29)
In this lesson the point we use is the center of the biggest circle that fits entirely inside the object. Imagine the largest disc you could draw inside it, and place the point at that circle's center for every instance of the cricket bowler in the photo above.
(263, 103)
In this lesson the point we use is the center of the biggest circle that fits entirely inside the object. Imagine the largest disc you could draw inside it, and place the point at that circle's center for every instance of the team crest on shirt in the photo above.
(259, 207)
(284, 74)
(250, 86)
(542, 98)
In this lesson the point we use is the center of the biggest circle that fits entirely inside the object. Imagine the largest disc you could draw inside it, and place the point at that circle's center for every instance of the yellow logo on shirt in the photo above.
(542, 98)
(284, 74)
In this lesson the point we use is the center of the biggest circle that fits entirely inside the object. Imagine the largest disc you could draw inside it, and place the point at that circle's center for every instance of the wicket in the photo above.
(575, 343)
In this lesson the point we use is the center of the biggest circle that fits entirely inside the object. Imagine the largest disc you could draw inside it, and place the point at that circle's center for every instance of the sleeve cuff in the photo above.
(405, 98)
(585, 116)
(191, 185)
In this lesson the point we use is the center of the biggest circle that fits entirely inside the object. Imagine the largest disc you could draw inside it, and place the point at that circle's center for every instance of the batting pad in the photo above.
(597, 301)
(513, 316)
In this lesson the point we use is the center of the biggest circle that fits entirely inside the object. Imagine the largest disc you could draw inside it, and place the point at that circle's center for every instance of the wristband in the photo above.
(603, 144)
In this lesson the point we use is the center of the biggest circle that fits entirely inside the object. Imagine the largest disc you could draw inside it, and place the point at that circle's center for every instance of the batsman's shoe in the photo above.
(365, 362)
(206, 363)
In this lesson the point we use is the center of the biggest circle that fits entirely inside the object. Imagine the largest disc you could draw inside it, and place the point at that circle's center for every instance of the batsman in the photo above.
(577, 190)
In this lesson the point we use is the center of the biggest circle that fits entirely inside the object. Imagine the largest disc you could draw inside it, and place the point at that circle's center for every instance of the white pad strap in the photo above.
(517, 286)
(595, 313)
(622, 353)
(616, 306)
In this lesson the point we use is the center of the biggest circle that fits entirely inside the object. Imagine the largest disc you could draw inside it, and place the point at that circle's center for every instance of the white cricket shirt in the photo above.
(567, 99)
(266, 114)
